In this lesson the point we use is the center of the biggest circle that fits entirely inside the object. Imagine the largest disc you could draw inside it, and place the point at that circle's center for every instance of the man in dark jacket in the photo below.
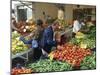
(47, 41)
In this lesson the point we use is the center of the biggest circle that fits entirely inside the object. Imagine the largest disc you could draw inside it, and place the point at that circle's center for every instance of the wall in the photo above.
(94, 12)
(49, 9)
(83, 6)
(93, 17)
(68, 13)
(52, 10)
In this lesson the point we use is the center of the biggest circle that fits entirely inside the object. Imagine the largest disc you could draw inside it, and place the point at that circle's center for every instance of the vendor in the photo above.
(35, 38)
(77, 26)
(48, 41)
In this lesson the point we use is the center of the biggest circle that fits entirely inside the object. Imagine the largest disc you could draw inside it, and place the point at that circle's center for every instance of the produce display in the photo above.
(90, 43)
(89, 62)
(17, 45)
(79, 35)
(15, 34)
(46, 65)
(26, 27)
(30, 28)
(16, 71)
(70, 53)
(89, 39)
(76, 52)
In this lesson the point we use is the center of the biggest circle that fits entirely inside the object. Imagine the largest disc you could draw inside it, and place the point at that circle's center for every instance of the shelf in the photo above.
(21, 55)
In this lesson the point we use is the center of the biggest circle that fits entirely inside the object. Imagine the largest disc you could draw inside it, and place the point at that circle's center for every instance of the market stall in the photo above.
(77, 53)
(74, 53)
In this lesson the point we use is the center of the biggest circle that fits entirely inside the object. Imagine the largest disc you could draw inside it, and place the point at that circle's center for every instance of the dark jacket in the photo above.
(47, 41)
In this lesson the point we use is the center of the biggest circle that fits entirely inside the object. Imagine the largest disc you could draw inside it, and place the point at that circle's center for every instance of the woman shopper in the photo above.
(35, 39)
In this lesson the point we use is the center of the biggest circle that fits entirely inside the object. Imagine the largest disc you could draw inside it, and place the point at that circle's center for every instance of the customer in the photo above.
(47, 41)
(35, 38)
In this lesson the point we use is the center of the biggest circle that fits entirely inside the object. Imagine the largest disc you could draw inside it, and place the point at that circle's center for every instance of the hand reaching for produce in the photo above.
(60, 47)
(31, 35)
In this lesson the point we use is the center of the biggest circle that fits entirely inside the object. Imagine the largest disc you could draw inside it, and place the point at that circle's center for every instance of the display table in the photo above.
(23, 55)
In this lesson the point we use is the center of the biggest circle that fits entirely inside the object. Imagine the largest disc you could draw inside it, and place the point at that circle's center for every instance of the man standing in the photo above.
(47, 41)
(76, 26)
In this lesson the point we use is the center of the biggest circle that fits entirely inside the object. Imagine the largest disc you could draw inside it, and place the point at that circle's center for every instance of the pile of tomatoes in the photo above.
(16, 71)
(71, 53)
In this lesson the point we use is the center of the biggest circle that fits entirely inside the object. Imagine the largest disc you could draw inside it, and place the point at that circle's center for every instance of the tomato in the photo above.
(20, 71)
(72, 54)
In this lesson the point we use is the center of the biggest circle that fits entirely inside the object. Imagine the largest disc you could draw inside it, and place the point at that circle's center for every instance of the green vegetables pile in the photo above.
(92, 30)
(89, 39)
(89, 62)
(46, 65)
(75, 41)
(91, 43)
